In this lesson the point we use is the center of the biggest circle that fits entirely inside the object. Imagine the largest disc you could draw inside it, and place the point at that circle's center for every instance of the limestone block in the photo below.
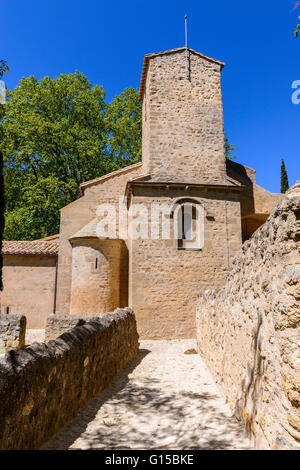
(12, 332)
(43, 386)
(249, 331)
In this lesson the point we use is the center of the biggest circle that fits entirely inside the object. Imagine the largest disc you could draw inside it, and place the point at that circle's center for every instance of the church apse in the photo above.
(99, 272)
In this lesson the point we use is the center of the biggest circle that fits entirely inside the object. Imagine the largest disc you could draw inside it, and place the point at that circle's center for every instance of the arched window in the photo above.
(189, 224)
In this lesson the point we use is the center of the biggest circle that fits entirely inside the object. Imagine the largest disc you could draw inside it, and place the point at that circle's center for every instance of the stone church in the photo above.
(183, 165)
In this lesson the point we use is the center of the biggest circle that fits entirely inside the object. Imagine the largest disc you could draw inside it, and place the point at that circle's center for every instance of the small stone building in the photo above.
(29, 276)
(183, 167)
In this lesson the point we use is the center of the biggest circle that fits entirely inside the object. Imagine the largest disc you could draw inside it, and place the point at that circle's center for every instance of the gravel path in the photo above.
(164, 400)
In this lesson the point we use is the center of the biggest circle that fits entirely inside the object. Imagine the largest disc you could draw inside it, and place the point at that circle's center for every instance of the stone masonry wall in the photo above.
(183, 136)
(75, 216)
(96, 267)
(249, 331)
(43, 386)
(12, 332)
(29, 287)
(56, 324)
(165, 282)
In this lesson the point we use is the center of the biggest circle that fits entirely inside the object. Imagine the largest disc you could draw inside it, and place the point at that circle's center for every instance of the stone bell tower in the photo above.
(183, 136)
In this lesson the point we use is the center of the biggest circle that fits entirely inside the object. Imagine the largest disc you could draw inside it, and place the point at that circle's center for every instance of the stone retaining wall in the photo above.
(43, 386)
(12, 332)
(249, 331)
(58, 324)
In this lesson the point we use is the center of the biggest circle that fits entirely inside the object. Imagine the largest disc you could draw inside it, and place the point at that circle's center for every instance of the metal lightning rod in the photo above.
(186, 47)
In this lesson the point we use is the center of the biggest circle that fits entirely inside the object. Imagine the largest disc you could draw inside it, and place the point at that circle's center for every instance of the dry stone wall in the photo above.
(249, 331)
(43, 386)
(58, 324)
(12, 332)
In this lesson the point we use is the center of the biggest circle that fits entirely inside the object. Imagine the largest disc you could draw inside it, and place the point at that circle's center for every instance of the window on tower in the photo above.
(189, 220)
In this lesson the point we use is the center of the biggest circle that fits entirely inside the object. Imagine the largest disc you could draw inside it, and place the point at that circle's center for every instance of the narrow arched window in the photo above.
(189, 220)
(188, 214)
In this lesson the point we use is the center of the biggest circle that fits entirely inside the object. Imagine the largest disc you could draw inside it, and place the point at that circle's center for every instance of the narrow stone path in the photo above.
(164, 400)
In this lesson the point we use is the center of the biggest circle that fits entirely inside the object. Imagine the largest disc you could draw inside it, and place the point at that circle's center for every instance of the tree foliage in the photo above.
(3, 70)
(123, 121)
(297, 30)
(284, 178)
(56, 134)
(3, 67)
(228, 148)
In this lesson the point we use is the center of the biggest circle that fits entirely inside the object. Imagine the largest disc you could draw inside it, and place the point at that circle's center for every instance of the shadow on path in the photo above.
(145, 409)
(71, 431)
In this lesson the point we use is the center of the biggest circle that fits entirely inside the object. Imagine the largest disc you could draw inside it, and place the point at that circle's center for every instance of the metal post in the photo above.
(186, 46)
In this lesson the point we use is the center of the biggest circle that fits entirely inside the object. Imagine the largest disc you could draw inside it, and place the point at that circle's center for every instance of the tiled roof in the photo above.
(44, 246)
(147, 57)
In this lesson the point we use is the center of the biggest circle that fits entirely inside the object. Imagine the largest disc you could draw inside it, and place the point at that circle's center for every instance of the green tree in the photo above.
(228, 148)
(57, 134)
(284, 178)
(3, 70)
(297, 30)
(123, 121)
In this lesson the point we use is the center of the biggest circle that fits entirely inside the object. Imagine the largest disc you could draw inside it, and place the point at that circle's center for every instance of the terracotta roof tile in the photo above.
(44, 246)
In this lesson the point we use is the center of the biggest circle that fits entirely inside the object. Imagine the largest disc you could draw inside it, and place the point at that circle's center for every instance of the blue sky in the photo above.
(107, 42)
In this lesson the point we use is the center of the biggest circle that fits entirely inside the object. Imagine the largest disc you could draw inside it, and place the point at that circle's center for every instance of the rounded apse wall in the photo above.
(95, 275)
